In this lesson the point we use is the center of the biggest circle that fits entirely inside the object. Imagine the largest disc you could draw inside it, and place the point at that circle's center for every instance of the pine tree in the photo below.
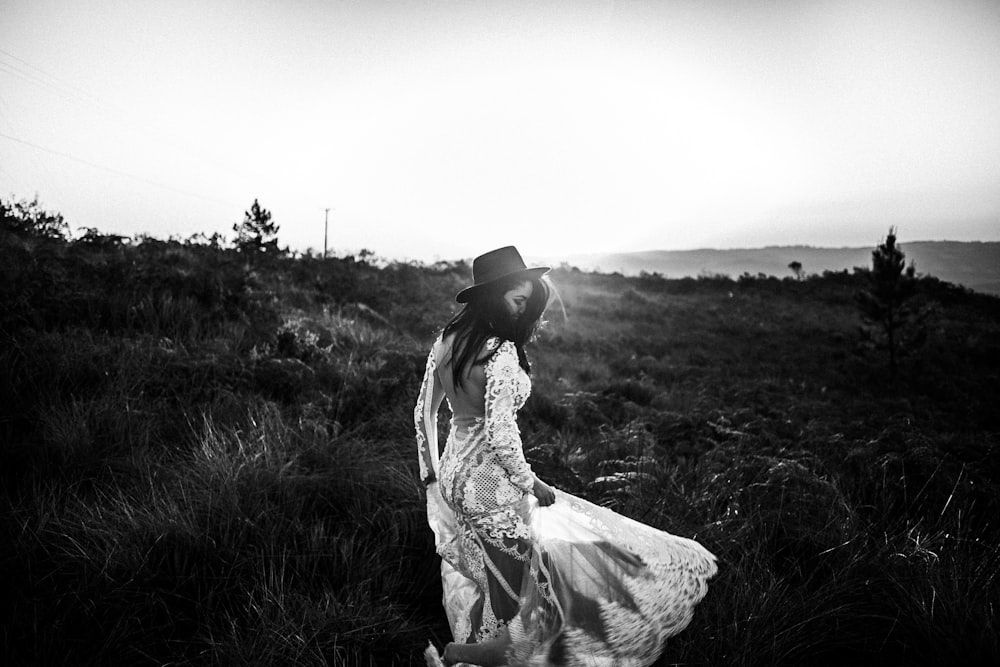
(257, 233)
(890, 321)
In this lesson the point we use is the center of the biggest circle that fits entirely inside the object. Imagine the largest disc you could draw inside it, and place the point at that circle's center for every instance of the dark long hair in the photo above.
(485, 315)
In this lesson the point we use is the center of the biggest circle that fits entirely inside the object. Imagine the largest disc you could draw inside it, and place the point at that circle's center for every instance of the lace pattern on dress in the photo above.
(484, 479)
(507, 388)
(425, 423)
(573, 582)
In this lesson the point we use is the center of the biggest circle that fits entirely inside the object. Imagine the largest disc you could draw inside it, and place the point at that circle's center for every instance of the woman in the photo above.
(532, 575)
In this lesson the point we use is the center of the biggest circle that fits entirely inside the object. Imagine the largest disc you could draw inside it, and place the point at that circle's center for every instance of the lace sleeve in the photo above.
(425, 421)
(502, 432)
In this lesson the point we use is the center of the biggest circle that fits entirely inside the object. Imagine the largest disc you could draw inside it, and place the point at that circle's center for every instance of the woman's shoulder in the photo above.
(487, 348)
(441, 349)
(490, 351)
(499, 351)
(444, 348)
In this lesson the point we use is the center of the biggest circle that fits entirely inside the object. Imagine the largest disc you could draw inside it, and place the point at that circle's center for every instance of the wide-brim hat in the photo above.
(497, 265)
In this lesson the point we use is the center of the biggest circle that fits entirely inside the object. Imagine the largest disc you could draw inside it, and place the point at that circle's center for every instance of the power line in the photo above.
(34, 158)
(67, 91)
(18, 67)
(54, 80)
(115, 171)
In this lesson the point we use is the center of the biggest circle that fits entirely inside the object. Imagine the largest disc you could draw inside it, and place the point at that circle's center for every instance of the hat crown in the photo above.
(496, 264)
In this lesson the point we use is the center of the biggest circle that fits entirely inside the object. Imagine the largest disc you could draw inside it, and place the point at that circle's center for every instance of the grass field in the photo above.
(208, 460)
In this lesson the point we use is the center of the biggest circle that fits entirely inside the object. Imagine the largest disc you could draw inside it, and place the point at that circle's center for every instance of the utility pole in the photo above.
(326, 226)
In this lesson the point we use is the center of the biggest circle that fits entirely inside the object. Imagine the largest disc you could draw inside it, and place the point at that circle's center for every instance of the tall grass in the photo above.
(211, 462)
(260, 542)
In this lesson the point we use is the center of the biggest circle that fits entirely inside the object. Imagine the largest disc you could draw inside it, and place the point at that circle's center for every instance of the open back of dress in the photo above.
(574, 583)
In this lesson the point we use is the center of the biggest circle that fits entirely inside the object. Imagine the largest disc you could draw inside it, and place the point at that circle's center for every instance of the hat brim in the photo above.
(527, 274)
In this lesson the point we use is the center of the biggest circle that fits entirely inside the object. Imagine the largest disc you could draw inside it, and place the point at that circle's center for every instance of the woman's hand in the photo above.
(546, 496)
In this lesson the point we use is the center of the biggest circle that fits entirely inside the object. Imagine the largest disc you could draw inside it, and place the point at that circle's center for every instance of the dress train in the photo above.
(601, 589)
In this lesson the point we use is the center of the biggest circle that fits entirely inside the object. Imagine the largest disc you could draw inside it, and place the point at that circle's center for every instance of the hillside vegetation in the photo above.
(975, 264)
(208, 458)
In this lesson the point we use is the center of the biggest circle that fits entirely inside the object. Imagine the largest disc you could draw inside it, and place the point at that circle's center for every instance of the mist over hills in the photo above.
(975, 265)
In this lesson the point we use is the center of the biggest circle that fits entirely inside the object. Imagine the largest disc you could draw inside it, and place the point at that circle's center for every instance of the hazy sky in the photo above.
(445, 128)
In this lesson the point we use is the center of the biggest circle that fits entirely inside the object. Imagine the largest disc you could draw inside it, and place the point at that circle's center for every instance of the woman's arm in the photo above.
(502, 432)
(425, 421)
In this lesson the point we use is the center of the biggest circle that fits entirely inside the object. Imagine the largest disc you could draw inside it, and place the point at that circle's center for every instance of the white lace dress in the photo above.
(575, 583)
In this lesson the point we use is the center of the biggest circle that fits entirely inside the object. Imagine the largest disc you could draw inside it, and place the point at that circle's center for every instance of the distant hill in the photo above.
(975, 265)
